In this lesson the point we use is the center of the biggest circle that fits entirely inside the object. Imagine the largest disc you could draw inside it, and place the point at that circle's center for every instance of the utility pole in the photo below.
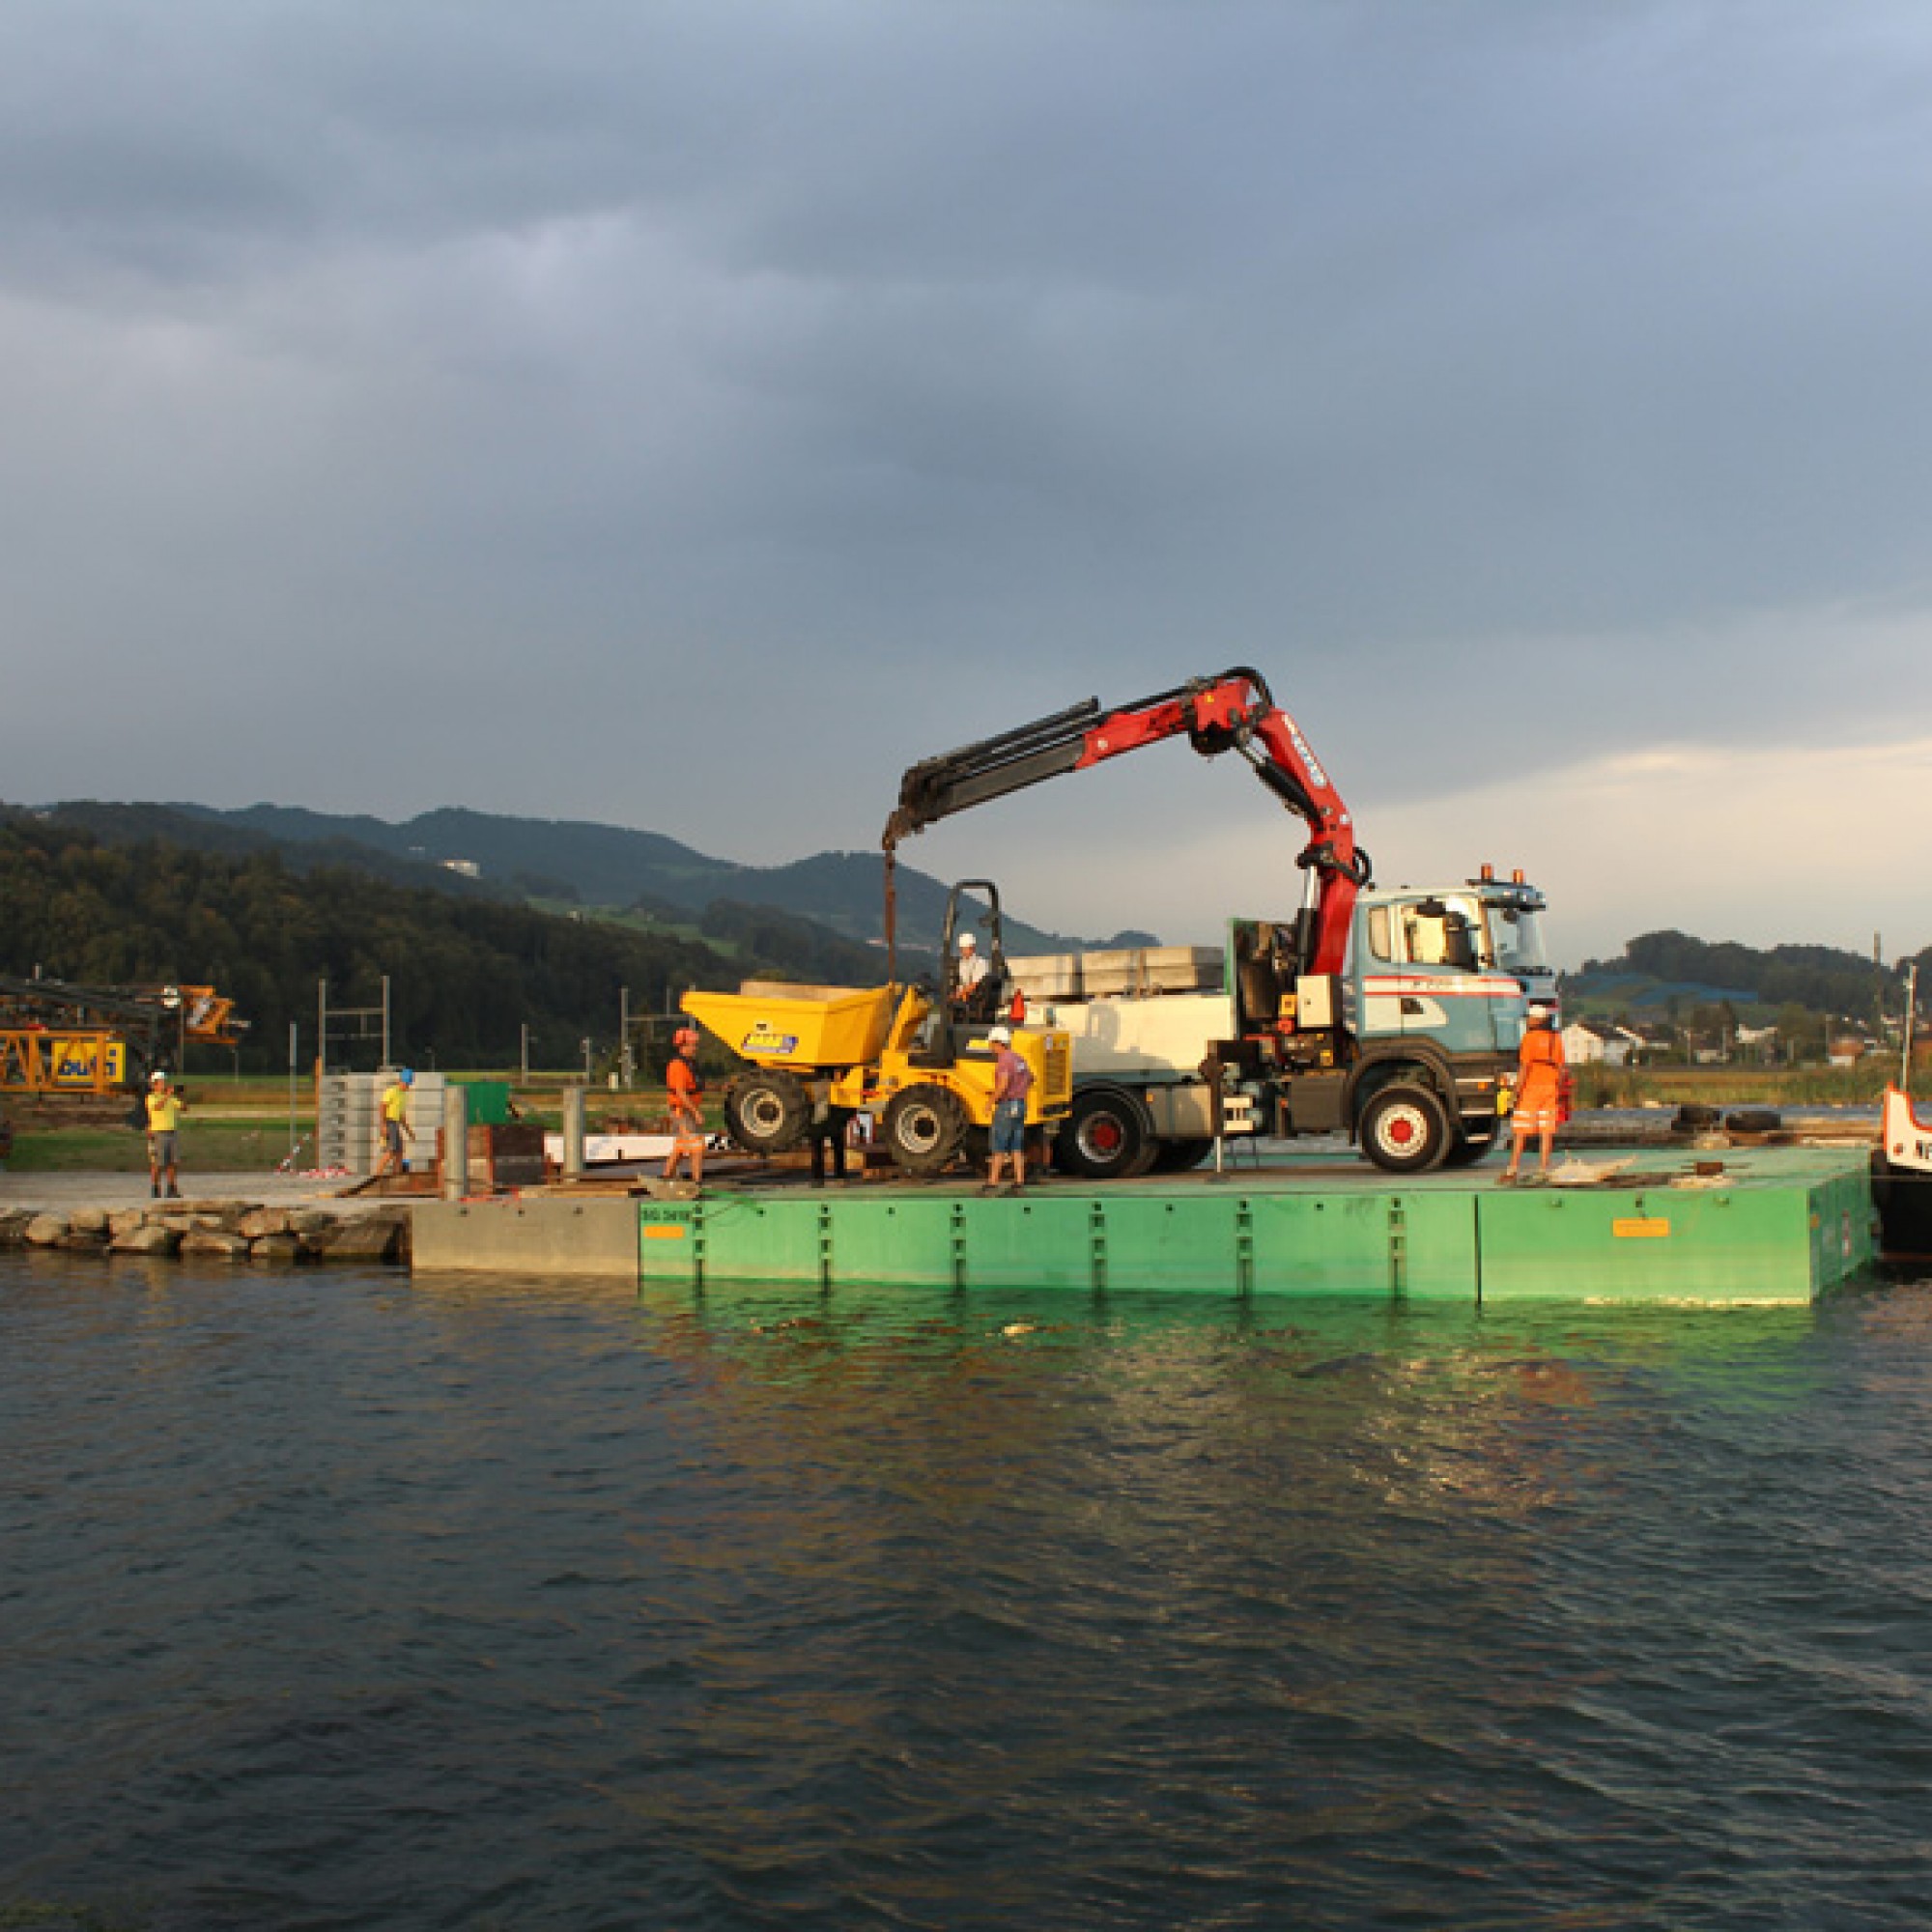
(385, 1019)
(1911, 1010)
(624, 1035)
(527, 1052)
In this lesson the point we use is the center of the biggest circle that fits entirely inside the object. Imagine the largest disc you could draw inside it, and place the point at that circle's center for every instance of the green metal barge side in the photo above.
(1779, 1225)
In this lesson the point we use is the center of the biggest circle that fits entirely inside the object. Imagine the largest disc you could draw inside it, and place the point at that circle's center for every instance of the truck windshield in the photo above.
(1517, 934)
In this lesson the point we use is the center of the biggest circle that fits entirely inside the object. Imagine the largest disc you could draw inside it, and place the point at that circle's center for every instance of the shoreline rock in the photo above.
(216, 1231)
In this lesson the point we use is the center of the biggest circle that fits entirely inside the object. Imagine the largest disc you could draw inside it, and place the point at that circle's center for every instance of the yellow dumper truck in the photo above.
(916, 1058)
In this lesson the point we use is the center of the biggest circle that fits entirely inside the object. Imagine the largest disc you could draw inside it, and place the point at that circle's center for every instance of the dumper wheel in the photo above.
(766, 1111)
(1104, 1137)
(1406, 1130)
(923, 1127)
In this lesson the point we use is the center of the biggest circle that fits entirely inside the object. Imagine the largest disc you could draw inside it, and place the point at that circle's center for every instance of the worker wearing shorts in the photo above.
(1539, 1089)
(1013, 1081)
(164, 1110)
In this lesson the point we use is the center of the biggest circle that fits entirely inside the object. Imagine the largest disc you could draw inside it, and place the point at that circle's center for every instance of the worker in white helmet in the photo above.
(969, 988)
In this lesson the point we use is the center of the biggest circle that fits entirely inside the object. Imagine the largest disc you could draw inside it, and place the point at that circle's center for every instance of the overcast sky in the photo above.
(687, 416)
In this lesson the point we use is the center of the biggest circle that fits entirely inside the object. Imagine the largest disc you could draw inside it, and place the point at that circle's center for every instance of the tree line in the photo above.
(466, 975)
(1818, 978)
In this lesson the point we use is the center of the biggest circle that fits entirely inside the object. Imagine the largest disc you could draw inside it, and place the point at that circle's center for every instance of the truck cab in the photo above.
(1455, 966)
(1408, 1050)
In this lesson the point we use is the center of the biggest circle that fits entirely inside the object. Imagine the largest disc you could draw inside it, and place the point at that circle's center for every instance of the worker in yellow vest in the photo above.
(166, 1108)
(395, 1125)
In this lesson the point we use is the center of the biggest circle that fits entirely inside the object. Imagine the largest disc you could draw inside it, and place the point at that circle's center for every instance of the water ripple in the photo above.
(338, 1601)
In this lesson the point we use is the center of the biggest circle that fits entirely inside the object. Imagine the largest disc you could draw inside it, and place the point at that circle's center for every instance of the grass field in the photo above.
(207, 1146)
(241, 1126)
(1857, 1086)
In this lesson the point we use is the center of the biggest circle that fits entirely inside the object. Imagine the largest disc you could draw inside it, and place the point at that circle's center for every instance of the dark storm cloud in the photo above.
(913, 367)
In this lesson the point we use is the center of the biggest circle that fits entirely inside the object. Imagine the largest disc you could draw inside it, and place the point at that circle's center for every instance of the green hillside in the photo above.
(1659, 968)
(465, 973)
(593, 865)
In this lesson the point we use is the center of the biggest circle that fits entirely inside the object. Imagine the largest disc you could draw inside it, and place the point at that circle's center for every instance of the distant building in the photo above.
(468, 868)
(1596, 1042)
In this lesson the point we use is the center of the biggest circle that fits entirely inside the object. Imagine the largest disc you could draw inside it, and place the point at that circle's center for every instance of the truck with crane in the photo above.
(1390, 1016)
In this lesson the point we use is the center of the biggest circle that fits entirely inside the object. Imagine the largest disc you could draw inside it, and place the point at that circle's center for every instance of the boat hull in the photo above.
(1902, 1181)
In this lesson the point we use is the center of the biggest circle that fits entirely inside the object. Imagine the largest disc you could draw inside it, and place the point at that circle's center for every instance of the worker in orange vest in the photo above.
(686, 1089)
(1540, 1074)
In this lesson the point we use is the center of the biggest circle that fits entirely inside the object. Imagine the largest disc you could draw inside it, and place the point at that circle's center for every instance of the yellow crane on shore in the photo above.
(59, 1041)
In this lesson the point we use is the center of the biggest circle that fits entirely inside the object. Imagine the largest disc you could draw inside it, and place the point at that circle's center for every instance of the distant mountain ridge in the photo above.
(569, 860)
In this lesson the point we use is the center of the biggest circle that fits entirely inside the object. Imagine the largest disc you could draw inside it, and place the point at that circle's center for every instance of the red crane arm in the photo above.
(1231, 712)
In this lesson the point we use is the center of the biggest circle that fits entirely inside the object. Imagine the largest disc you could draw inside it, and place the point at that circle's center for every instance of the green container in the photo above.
(489, 1102)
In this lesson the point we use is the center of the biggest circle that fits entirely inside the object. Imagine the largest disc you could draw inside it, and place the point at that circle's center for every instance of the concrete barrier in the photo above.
(542, 1236)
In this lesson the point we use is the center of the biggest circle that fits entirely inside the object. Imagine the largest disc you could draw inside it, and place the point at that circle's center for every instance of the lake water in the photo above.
(331, 1600)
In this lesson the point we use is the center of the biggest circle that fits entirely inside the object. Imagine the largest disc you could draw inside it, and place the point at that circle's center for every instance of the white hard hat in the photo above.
(1000, 1036)
(157, 1078)
(967, 942)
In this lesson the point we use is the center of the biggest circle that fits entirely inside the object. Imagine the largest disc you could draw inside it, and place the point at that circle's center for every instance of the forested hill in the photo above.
(1821, 978)
(562, 862)
(465, 973)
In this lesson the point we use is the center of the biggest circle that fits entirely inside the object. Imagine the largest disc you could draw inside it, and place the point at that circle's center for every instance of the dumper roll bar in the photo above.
(1234, 711)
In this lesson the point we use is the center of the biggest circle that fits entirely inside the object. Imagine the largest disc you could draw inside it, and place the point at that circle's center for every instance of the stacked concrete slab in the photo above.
(1130, 970)
(346, 1129)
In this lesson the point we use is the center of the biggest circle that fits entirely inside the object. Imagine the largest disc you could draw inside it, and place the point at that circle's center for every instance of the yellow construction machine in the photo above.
(59, 1041)
(915, 1057)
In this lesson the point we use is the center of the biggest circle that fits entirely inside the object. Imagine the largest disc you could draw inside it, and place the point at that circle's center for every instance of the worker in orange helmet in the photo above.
(1539, 1089)
(686, 1087)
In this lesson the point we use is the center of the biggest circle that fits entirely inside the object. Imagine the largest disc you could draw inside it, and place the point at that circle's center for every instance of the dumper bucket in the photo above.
(776, 1025)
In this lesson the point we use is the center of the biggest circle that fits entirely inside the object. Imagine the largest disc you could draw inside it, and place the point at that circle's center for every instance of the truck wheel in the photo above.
(923, 1127)
(1178, 1157)
(1466, 1149)
(1406, 1130)
(1105, 1138)
(765, 1112)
